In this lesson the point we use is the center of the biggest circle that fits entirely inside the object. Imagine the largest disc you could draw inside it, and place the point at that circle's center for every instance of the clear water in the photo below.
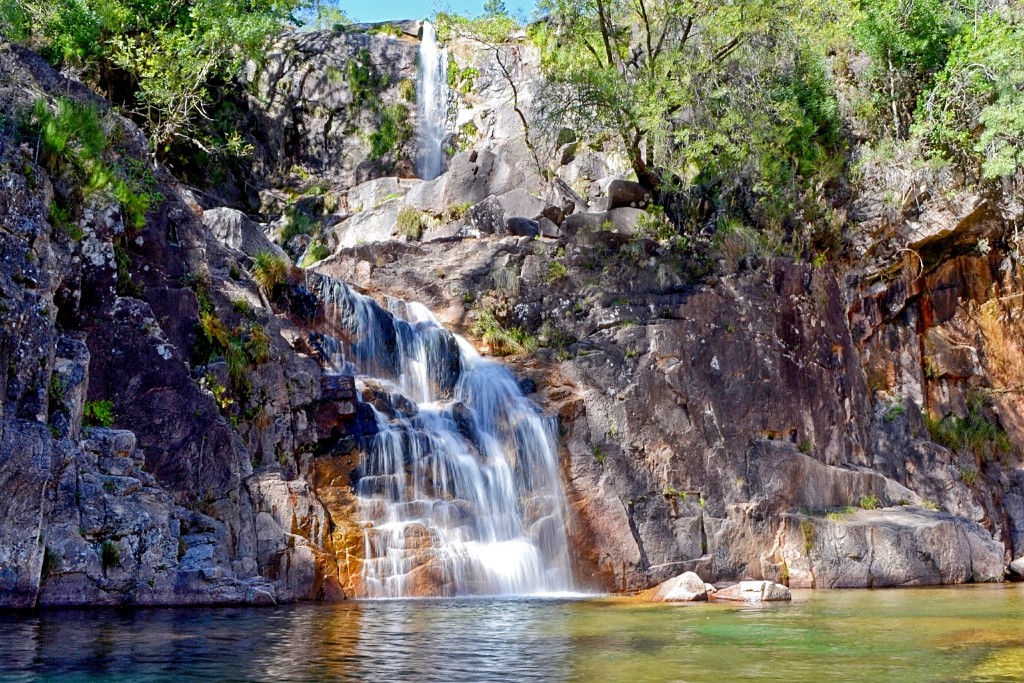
(963, 634)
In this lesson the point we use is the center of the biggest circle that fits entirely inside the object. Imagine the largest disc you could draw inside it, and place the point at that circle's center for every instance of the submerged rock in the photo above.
(754, 591)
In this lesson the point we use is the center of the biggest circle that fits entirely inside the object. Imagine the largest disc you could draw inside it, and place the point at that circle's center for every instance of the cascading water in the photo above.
(433, 104)
(459, 489)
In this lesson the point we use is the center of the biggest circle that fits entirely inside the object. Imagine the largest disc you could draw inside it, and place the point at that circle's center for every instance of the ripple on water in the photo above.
(899, 635)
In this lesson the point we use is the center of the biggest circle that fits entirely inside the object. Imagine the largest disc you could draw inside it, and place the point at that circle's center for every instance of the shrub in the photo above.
(317, 251)
(269, 271)
(110, 556)
(407, 90)
(411, 222)
(501, 340)
(869, 501)
(556, 271)
(98, 413)
(808, 532)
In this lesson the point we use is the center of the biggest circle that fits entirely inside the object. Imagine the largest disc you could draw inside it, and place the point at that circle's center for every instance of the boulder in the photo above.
(376, 225)
(1017, 567)
(687, 587)
(519, 202)
(471, 178)
(373, 193)
(548, 228)
(488, 216)
(522, 227)
(754, 592)
(627, 194)
(235, 230)
(899, 546)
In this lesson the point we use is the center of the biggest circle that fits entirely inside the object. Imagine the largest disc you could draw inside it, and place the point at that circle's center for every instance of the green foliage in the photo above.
(974, 434)
(51, 563)
(385, 29)
(895, 411)
(76, 144)
(599, 456)
(733, 98)
(407, 90)
(364, 81)
(411, 222)
(317, 251)
(807, 530)
(556, 271)
(98, 413)
(110, 556)
(502, 341)
(269, 271)
(907, 43)
(162, 59)
(392, 128)
(975, 114)
(869, 501)
(297, 224)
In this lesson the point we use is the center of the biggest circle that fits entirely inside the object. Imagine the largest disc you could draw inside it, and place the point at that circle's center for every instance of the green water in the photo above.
(950, 634)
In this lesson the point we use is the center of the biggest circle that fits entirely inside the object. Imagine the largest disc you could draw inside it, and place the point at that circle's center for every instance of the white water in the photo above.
(459, 489)
(432, 91)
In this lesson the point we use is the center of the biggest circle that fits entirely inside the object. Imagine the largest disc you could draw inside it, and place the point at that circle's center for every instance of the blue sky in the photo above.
(381, 10)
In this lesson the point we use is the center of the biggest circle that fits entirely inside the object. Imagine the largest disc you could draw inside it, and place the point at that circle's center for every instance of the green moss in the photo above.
(317, 251)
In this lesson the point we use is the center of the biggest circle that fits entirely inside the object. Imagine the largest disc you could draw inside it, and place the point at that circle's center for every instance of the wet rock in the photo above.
(755, 592)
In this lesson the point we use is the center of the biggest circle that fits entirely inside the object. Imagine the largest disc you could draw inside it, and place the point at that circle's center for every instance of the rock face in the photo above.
(904, 546)
(722, 413)
(316, 93)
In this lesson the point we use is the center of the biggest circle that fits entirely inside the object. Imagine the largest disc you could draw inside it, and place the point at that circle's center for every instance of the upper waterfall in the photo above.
(459, 488)
(432, 93)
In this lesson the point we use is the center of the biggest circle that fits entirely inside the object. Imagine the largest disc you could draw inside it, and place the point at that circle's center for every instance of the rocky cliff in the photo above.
(167, 435)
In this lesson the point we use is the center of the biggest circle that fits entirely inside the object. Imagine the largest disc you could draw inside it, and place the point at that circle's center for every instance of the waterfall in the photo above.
(459, 489)
(432, 91)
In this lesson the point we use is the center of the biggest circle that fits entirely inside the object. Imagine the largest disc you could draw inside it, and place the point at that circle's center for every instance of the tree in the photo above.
(157, 59)
(495, 8)
(907, 41)
(733, 95)
(975, 112)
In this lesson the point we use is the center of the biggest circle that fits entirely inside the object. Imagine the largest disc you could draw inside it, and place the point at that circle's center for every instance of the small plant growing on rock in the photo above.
(110, 556)
(869, 501)
(410, 223)
(269, 271)
(98, 413)
(556, 271)
(807, 531)
(317, 251)
(599, 455)
(970, 476)
(51, 563)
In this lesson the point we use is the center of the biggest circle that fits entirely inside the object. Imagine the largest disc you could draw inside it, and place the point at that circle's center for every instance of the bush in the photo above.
(556, 271)
(501, 340)
(110, 556)
(411, 222)
(869, 502)
(98, 413)
(317, 251)
(269, 271)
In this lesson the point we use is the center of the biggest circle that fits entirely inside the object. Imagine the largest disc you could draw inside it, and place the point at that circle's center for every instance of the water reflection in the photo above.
(909, 635)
